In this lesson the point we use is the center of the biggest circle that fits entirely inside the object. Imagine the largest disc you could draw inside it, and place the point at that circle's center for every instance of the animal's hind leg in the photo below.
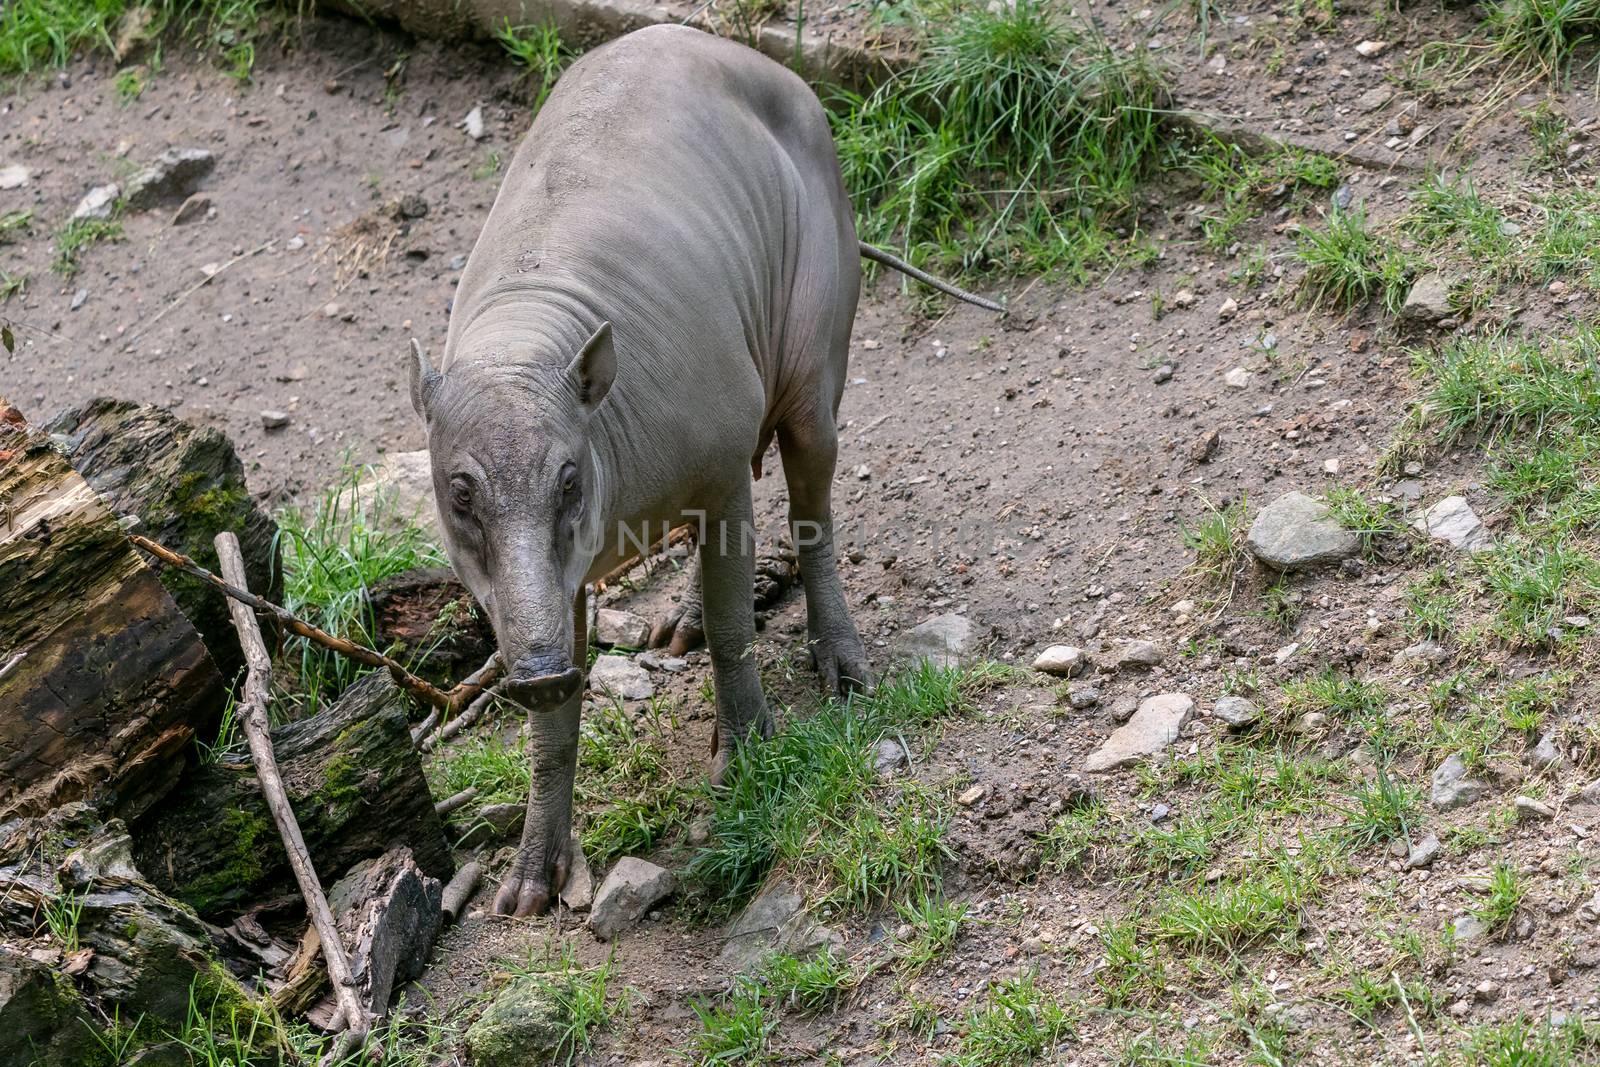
(682, 628)
(810, 446)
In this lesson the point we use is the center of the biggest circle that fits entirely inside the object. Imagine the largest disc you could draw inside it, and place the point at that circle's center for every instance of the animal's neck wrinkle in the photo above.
(543, 324)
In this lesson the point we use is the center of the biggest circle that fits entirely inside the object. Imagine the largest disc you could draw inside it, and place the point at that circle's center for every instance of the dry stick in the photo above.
(451, 803)
(460, 722)
(460, 889)
(254, 718)
(423, 727)
(461, 694)
(207, 280)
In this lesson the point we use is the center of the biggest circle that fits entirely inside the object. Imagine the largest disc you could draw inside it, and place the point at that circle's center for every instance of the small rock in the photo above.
(1423, 853)
(1452, 788)
(1152, 729)
(1486, 991)
(1531, 810)
(458, 261)
(13, 176)
(295, 243)
(1205, 446)
(78, 298)
(1310, 723)
(1062, 661)
(1295, 532)
(1374, 98)
(889, 757)
(1429, 299)
(332, 310)
(98, 203)
(1547, 755)
(578, 893)
(1587, 797)
(971, 795)
(1164, 373)
(170, 175)
(1426, 651)
(473, 123)
(777, 920)
(410, 206)
(621, 629)
(1083, 697)
(1136, 655)
(524, 1025)
(633, 887)
(620, 677)
(1371, 49)
(944, 641)
(1452, 520)
(1237, 712)
(1123, 707)
(1237, 378)
(274, 420)
(1468, 928)
(195, 207)
(1229, 308)
(1184, 298)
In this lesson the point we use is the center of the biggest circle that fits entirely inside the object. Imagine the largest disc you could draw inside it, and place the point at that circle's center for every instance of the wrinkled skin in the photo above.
(666, 284)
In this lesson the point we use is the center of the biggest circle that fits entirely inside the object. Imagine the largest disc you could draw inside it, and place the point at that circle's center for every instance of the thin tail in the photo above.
(878, 255)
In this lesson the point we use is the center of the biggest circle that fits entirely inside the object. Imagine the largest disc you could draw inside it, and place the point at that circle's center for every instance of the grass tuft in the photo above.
(1347, 265)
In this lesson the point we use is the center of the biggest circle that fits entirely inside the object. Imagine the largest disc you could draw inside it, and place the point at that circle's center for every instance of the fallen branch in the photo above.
(462, 694)
(460, 722)
(451, 803)
(254, 720)
(677, 535)
(460, 890)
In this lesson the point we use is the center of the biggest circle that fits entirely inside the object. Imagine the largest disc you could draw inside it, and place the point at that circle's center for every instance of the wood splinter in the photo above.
(357, 1020)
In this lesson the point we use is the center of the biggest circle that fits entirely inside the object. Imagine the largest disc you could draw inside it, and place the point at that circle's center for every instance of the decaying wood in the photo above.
(458, 697)
(459, 800)
(185, 484)
(103, 681)
(356, 783)
(428, 619)
(460, 890)
(252, 715)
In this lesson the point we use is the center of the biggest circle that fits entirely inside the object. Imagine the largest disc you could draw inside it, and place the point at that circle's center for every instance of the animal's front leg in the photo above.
(544, 859)
(727, 566)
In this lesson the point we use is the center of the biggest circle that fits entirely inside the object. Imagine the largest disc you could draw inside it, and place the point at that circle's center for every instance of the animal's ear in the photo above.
(594, 368)
(424, 380)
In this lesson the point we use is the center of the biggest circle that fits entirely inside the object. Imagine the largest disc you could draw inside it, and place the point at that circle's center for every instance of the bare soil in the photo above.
(1035, 474)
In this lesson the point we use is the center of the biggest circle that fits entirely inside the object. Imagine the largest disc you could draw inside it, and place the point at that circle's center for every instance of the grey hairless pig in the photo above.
(666, 283)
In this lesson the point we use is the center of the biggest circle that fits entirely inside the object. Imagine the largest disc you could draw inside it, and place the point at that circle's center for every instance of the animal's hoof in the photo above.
(532, 883)
(679, 632)
(841, 669)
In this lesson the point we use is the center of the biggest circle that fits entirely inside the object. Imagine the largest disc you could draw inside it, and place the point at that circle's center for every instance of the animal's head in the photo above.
(519, 503)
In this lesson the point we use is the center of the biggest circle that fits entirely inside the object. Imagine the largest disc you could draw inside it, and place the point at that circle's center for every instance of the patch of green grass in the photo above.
(809, 985)
(1078, 838)
(1232, 915)
(1384, 809)
(540, 52)
(581, 997)
(61, 914)
(1430, 605)
(333, 554)
(1499, 907)
(1217, 541)
(1134, 973)
(1525, 704)
(1238, 182)
(808, 801)
(1373, 521)
(628, 799)
(734, 1030)
(1497, 383)
(13, 223)
(1369, 995)
(1554, 484)
(1536, 585)
(12, 285)
(935, 925)
(1541, 34)
(130, 84)
(1192, 1049)
(1336, 694)
(496, 769)
(1020, 1023)
(1347, 265)
(1010, 146)
(35, 34)
(1447, 209)
(78, 235)
(1525, 1042)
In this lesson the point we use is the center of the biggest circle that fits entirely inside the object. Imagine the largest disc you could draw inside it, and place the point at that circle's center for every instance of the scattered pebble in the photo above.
(272, 419)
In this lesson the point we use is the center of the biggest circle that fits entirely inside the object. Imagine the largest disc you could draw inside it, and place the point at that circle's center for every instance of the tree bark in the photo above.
(103, 681)
(356, 784)
(186, 485)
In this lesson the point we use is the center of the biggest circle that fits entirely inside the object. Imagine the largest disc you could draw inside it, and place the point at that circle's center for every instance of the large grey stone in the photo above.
(1152, 729)
(170, 176)
(945, 641)
(1453, 521)
(1429, 299)
(613, 628)
(1452, 788)
(633, 887)
(522, 1027)
(99, 203)
(1237, 712)
(775, 921)
(1295, 531)
(620, 677)
(1063, 661)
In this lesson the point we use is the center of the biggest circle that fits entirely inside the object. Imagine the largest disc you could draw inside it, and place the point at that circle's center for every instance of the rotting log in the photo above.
(103, 681)
(186, 485)
(356, 785)
(428, 620)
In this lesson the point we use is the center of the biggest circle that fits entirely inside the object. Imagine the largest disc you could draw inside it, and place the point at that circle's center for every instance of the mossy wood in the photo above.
(103, 681)
(185, 484)
(356, 785)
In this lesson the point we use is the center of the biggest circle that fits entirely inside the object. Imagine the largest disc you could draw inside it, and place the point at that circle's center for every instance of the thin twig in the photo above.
(207, 280)
(256, 731)
(455, 698)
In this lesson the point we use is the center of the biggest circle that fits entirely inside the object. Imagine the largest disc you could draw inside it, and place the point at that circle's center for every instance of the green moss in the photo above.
(341, 783)
(241, 867)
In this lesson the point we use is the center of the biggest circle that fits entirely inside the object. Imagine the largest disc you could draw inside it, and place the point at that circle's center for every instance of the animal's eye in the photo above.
(569, 479)
(461, 495)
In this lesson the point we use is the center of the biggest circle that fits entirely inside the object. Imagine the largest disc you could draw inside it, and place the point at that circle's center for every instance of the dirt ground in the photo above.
(1035, 474)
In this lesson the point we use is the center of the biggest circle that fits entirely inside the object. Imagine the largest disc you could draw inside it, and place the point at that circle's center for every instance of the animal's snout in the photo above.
(542, 680)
